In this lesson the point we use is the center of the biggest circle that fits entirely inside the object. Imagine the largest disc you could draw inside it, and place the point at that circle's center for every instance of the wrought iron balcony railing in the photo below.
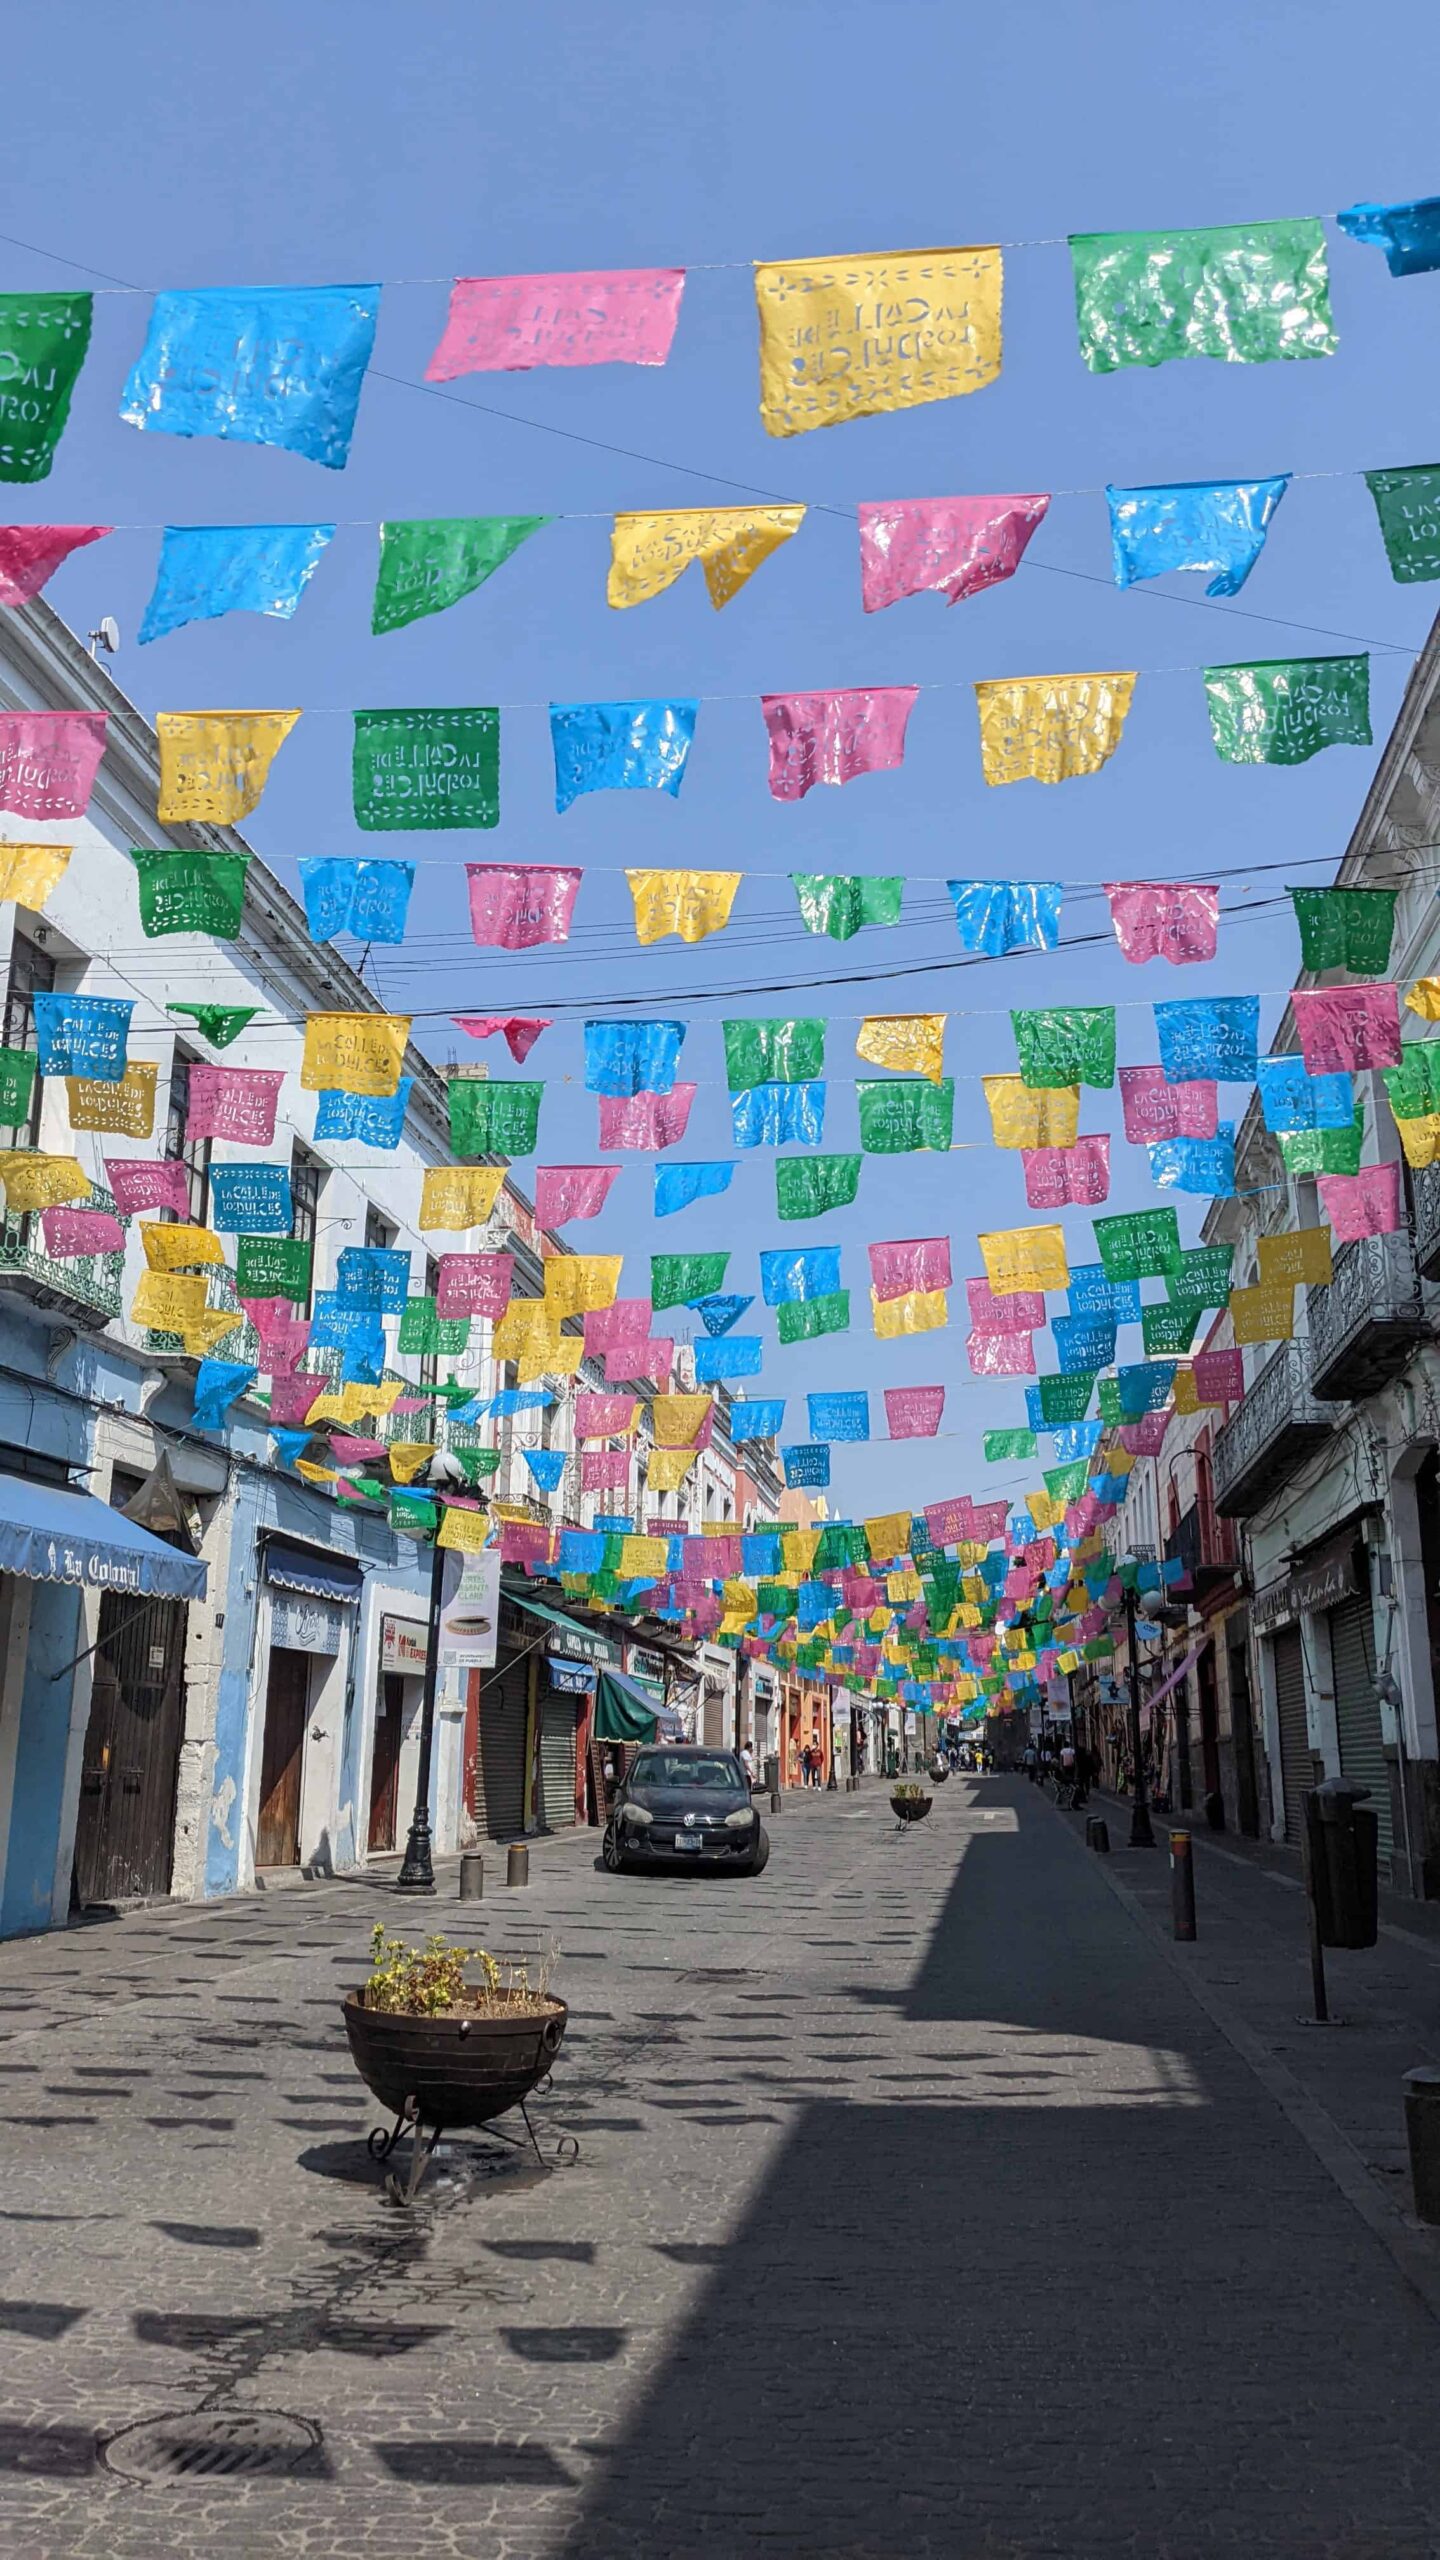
(87, 1287)
(1366, 1322)
(1278, 1422)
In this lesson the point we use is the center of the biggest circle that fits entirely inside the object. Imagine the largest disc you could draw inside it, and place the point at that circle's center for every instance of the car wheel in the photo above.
(759, 1858)
(611, 1851)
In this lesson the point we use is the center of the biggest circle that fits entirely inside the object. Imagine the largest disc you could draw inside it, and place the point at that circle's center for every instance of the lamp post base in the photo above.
(417, 1874)
(1142, 1834)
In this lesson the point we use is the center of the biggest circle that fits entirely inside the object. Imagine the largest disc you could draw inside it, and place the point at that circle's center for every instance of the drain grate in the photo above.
(246, 2444)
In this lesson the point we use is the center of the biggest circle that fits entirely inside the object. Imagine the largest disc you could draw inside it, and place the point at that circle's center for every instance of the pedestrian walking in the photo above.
(805, 1766)
(747, 1763)
(1032, 1761)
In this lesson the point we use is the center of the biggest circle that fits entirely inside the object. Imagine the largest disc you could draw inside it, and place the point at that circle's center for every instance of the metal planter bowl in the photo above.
(910, 1808)
(454, 2071)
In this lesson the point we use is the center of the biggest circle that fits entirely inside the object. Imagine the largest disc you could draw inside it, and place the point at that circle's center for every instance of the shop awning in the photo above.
(587, 1643)
(623, 1713)
(572, 1679)
(319, 1577)
(49, 1534)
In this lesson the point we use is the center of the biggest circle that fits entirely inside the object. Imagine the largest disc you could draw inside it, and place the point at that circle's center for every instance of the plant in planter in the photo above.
(443, 2051)
(909, 1801)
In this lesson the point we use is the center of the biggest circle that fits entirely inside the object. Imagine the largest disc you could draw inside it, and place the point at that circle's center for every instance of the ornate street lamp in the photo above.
(444, 1474)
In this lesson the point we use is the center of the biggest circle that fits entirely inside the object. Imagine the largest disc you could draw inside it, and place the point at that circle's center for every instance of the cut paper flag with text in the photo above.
(1409, 233)
(619, 746)
(996, 916)
(778, 1115)
(1025, 1116)
(277, 364)
(214, 765)
(840, 904)
(808, 1186)
(648, 1122)
(1344, 1030)
(1163, 920)
(623, 1059)
(566, 1191)
(1291, 1098)
(1363, 1204)
(494, 1116)
(688, 904)
(1407, 503)
(912, 1043)
(773, 1051)
(367, 899)
(1247, 293)
(1022, 1311)
(913, 1413)
(1065, 1045)
(43, 343)
(1285, 710)
(912, 1264)
(1050, 728)
(1348, 929)
(372, 1120)
(206, 570)
(426, 770)
(649, 552)
(49, 760)
(191, 893)
(1143, 1245)
(831, 347)
(1204, 1165)
(604, 315)
(954, 547)
(428, 563)
(834, 737)
(1065, 1177)
(516, 907)
(234, 1103)
(903, 1119)
(1209, 1037)
(30, 554)
(354, 1052)
(79, 1035)
(1215, 525)
(1025, 1258)
(28, 872)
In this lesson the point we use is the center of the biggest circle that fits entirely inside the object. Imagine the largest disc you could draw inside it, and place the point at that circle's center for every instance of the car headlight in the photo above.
(741, 1819)
(637, 1817)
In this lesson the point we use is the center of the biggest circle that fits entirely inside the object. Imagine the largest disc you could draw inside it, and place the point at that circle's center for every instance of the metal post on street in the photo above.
(417, 1872)
(1182, 1886)
(1142, 1835)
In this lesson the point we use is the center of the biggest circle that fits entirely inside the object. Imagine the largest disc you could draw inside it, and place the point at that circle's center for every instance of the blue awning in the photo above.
(319, 1577)
(571, 1679)
(48, 1534)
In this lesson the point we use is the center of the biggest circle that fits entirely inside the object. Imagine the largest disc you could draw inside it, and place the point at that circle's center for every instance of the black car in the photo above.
(680, 1805)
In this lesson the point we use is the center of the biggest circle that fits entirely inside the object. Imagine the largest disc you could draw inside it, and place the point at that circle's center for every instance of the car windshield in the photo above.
(685, 1769)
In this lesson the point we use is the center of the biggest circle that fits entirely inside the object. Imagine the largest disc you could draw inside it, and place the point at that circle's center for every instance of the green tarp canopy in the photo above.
(622, 1711)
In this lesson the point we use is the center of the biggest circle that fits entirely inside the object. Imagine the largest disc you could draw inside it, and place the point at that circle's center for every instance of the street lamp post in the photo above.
(417, 1874)
(1142, 1834)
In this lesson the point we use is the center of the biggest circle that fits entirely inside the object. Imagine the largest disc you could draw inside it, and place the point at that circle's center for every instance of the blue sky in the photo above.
(349, 144)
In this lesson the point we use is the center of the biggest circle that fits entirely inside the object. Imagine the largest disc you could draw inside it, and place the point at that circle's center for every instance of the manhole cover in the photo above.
(246, 2444)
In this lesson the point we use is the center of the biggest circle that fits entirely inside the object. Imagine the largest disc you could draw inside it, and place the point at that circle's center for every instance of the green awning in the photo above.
(587, 1644)
(621, 1711)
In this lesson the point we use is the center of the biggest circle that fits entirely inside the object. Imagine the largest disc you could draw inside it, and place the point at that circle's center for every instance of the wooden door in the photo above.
(125, 1830)
(385, 1761)
(287, 1700)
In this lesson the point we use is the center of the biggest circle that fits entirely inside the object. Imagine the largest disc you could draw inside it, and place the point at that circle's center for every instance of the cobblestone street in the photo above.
(922, 2207)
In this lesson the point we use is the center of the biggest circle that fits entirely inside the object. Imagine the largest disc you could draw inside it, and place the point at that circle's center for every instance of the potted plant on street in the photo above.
(443, 2051)
(909, 1801)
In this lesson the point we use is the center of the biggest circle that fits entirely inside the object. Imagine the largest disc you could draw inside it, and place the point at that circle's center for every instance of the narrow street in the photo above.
(910, 2177)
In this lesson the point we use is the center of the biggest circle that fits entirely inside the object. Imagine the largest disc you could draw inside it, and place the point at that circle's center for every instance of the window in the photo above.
(194, 1155)
(379, 1230)
(32, 973)
(307, 1174)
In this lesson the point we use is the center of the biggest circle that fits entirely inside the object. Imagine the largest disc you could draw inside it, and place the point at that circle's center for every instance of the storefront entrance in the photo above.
(287, 1701)
(124, 1837)
(385, 1762)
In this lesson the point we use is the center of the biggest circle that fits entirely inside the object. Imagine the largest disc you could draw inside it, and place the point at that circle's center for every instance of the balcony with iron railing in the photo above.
(1204, 1546)
(1277, 1424)
(1365, 1323)
(86, 1288)
(1425, 1190)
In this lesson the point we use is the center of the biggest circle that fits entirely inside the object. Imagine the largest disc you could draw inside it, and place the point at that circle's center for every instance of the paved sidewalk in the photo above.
(925, 2208)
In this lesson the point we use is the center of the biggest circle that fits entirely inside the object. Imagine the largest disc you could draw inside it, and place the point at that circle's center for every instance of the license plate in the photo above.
(687, 1840)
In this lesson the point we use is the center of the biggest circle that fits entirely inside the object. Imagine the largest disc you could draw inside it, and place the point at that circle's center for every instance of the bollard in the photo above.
(1097, 1834)
(472, 1876)
(1422, 2132)
(517, 1864)
(1182, 1886)
(774, 1799)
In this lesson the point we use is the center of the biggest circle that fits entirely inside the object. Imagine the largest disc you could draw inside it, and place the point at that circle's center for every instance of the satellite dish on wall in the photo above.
(106, 636)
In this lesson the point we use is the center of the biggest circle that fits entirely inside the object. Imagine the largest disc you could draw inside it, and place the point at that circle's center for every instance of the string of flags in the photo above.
(840, 338)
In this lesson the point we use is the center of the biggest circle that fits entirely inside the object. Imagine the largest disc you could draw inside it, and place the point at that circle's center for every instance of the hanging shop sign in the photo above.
(1321, 1584)
(402, 1647)
(300, 1623)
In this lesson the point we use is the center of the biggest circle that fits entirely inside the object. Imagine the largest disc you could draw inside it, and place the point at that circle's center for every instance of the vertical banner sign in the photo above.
(469, 1631)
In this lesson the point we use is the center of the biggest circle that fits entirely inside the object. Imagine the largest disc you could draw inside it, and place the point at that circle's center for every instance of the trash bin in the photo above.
(771, 1776)
(1343, 1841)
(1422, 2132)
